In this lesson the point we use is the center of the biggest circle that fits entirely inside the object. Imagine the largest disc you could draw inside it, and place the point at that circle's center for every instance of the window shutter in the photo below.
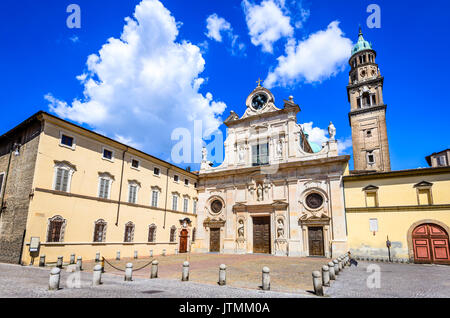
(65, 180)
(254, 154)
(102, 188)
(58, 179)
(106, 188)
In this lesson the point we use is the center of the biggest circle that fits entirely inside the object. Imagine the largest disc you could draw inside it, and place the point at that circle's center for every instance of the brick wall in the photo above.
(17, 189)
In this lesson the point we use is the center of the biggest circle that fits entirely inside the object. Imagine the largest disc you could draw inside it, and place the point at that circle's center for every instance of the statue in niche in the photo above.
(241, 153)
(331, 131)
(280, 148)
(259, 192)
(204, 155)
(241, 229)
(280, 229)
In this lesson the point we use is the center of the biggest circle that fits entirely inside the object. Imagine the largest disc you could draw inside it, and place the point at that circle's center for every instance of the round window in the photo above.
(216, 206)
(314, 201)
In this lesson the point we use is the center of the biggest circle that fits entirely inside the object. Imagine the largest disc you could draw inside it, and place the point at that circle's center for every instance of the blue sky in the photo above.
(41, 59)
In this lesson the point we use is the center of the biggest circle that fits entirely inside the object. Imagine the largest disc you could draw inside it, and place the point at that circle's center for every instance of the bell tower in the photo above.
(367, 114)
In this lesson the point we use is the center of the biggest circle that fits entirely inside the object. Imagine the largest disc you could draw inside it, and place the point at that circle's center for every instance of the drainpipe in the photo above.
(120, 187)
(167, 193)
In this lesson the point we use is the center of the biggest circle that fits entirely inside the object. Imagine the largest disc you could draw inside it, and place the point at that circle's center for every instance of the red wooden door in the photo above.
(183, 241)
(431, 244)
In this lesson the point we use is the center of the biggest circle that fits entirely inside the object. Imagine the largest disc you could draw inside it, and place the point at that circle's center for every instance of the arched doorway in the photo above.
(183, 241)
(430, 244)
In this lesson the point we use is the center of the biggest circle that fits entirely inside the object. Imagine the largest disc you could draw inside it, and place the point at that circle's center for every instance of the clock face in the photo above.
(259, 100)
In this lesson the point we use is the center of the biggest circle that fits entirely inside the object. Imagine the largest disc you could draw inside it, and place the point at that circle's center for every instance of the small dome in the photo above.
(315, 147)
(361, 45)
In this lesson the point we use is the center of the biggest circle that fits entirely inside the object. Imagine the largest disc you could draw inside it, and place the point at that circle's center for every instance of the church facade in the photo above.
(275, 192)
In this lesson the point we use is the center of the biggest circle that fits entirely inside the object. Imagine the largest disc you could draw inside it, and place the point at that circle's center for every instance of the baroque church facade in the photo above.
(275, 192)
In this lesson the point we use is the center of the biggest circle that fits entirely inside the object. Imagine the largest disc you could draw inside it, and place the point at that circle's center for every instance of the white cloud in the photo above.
(322, 55)
(142, 86)
(217, 26)
(319, 136)
(267, 23)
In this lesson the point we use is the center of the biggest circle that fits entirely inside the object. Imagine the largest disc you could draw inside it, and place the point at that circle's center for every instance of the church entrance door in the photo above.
(430, 243)
(315, 235)
(214, 240)
(261, 235)
(183, 241)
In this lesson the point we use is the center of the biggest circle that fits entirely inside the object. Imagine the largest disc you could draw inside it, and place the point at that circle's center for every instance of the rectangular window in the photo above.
(370, 157)
(424, 196)
(156, 171)
(260, 154)
(67, 141)
(99, 230)
(373, 100)
(62, 180)
(132, 193)
(107, 154)
(128, 234)
(194, 207)
(135, 164)
(441, 162)
(154, 198)
(186, 205)
(186, 182)
(104, 188)
(371, 198)
(2, 176)
(174, 202)
(195, 185)
(175, 178)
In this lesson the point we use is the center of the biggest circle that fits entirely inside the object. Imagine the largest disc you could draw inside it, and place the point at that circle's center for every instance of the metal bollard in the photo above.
(129, 272)
(59, 262)
(53, 282)
(79, 263)
(97, 275)
(72, 259)
(222, 275)
(97, 257)
(135, 254)
(42, 261)
(336, 266)
(266, 278)
(325, 275)
(185, 272)
(118, 256)
(317, 283)
(151, 253)
(164, 252)
(154, 272)
(332, 272)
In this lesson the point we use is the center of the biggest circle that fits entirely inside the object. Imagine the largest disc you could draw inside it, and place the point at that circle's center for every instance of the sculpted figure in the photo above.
(241, 229)
(280, 229)
(331, 131)
(260, 193)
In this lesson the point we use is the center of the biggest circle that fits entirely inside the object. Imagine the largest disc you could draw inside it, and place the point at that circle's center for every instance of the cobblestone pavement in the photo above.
(396, 281)
(32, 282)
(287, 274)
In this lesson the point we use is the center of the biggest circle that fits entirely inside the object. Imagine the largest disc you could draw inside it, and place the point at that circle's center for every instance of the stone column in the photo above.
(222, 275)
(72, 259)
(97, 275)
(266, 278)
(336, 266)
(185, 272)
(59, 262)
(129, 272)
(97, 257)
(53, 283)
(325, 275)
(42, 261)
(332, 272)
(79, 263)
(154, 272)
(118, 256)
(317, 283)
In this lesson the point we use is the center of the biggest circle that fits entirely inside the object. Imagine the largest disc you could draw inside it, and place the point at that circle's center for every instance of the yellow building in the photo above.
(411, 208)
(81, 192)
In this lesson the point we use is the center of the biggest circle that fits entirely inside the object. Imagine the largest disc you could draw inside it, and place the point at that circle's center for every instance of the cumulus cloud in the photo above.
(216, 26)
(322, 55)
(267, 23)
(141, 86)
(319, 136)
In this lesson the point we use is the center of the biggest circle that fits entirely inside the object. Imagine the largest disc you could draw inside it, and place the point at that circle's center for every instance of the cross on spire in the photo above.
(259, 82)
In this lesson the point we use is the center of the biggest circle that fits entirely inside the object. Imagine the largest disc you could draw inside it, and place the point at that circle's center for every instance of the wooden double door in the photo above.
(214, 240)
(261, 235)
(315, 240)
(431, 244)
(184, 241)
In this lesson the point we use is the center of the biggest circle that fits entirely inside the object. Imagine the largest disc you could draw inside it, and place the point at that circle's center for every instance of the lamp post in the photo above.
(388, 245)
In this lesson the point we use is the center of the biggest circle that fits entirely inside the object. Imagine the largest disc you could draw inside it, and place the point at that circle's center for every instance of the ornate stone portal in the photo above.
(272, 193)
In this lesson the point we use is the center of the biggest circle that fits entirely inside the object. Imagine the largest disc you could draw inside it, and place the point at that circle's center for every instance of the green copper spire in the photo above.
(361, 44)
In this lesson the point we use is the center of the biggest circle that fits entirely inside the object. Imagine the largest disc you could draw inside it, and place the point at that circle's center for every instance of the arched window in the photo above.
(173, 230)
(194, 231)
(129, 232)
(56, 228)
(100, 231)
(63, 176)
(152, 233)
